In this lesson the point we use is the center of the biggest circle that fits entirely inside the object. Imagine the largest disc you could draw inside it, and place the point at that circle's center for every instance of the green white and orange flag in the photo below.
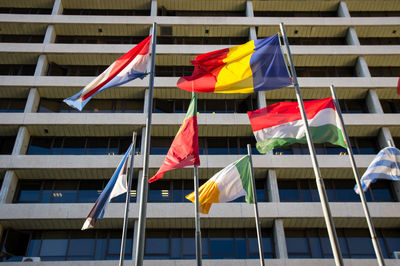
(280, 124)
(230, 183)
(184, 150)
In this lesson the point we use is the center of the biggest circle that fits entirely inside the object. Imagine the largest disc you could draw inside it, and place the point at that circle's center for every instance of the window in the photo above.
(354, 243)
(317, 41)
(326, 71)
(375, 13)
(106, 12)
(346, 105)
(99, 39)
(65, 191)
(338, 190)
(216, 244)
(74, 70)
(360, 145)
(163, 11)
(17, 70)
(390, 106)
(295, 13)
(57, 245)
(93, 106)
(12, 105)
(379, 41)
(80, 145)
(15, 10)
(21, 38)
(209, 145)
(6, 144)
(384, 71)
(202, 40)
(173, 71)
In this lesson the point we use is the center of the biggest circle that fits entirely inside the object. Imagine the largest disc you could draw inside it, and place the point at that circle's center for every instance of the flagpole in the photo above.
(128, 199)
(371, 228)
(197, 216)
(258, 227)
(320, 183)
(144, 184)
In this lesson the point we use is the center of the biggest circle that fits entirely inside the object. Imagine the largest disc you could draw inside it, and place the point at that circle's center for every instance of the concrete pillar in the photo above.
(351, 37)
(343, 11)
(21, 142)
(32, 103)
(272, 187)
(8, 188)
(57, 8)
(249, 9)
(146, 101)
(50, 36)
(362, 68)
(373, 103)
(153, 8)
(41, 66)
(279, 240)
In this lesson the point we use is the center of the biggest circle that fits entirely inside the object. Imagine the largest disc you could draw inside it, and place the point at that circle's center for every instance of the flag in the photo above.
(257, 65)
(230, 183)
(386, 165)
(398, 86)
(115, 187)
(130, 66)
(280, 124)
(184, 150)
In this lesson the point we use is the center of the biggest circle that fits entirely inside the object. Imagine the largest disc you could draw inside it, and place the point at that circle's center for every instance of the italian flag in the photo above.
(184, 150)
(230, 183)
(280, 124)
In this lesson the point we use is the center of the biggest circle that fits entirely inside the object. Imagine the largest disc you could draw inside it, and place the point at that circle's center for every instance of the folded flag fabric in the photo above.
(230, 183)
(184, 150)
(280, 124)
(130, 66)
(386, 165)
(398, 87)
(115, 187)
(254, 66)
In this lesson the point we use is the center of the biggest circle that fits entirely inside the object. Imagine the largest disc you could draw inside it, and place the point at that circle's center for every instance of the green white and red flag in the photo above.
(184, 150)
(280, 124)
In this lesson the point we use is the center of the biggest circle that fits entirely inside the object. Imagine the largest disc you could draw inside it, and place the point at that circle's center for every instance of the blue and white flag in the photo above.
(115, 187)
(386, 165)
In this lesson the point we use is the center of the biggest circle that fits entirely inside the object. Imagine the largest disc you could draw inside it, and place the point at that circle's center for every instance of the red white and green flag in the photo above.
(184, 150)
(280, 124)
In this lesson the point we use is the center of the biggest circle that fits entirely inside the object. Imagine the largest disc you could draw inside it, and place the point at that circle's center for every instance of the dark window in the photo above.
(17, 70)
(21, 38)
(6, 145)
(65, 191)
(384, 71)
(338, 190)
(51, 245)
(15, 10)
(379, 41)
(295, 13)
(216, 244)
(74, 70)
(80, 145)
(317, 41)
(201, 40)
(375, 13)
(173, 71)
(93, 106)
(354, 243)
(163, 11)
(106, 12)
(326, 71)
(12, 105)
(390, 106)
(100, 39)
(353, 106)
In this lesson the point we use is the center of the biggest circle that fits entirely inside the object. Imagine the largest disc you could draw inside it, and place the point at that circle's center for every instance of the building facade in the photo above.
(55, 161)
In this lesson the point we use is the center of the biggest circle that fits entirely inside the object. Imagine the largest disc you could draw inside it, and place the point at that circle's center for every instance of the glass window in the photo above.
(297, 244)
(81, 246)
(64, 191)
(89, 190)
(221, 244)
(160, 191)
(97, 146)
(12, 105)
(157, 245)
(40, 146)
(160, 145)
(54, 244)
(73, 146)
(29, 191)
(6, 145)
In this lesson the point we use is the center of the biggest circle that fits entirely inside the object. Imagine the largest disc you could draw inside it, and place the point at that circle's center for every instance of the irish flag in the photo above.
(184, 150)
(280, 124)
(230, 183)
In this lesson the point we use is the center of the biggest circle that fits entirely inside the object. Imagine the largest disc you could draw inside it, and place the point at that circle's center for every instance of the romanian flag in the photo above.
(254, 66)
(230, 183)
(184, 150)
(130, 66)
(280, 124)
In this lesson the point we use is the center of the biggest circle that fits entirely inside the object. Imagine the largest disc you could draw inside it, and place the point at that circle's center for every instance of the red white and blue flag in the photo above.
(115, 187)
(130, 66)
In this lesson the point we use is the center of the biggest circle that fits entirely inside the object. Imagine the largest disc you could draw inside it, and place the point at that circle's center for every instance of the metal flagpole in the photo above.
(144, 185)
(371, 228)
(258, 227)
(197, 216)
(128, 199)
(320, 183)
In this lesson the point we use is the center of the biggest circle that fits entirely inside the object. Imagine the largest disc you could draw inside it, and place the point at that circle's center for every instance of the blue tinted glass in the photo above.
(87, 196)
(261, 195)
(114, 246)
(204, 247)
(81, 247)
(315, 247)
(160, 195)
(46, 195)
(188, 248)
(297, 245)
(267, 246)
(96, 146)
(53, 247)
(157, 246)
(176, 248)
(241, 248)
(101, 246)
(360, 247)
(222, 248)
(73, 146)
(335, 150)
(306, 195)
(39, 146)
(29, 192)
(393, 244)
(33, 248)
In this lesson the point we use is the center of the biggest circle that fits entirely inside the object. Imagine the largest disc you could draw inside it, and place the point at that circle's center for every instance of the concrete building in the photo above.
(55, 161)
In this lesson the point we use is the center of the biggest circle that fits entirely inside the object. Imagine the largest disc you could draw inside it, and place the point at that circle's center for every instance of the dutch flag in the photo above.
(130, 66)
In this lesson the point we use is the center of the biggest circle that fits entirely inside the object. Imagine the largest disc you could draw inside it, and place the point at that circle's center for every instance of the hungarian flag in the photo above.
(130, 66)
(280, 124)
(230, 183)
(184, 150)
